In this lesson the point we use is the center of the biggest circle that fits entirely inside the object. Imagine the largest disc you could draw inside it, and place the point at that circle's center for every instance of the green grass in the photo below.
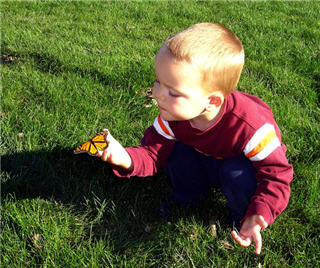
(69, 69)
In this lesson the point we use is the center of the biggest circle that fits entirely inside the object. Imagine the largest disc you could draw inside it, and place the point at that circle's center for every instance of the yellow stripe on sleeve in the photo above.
(262, 143)
(265, 141)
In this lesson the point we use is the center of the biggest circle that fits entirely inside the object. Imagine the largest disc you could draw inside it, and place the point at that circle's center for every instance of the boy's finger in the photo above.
(262, 222)
(105, 155)
(242, 242)
(258, 241)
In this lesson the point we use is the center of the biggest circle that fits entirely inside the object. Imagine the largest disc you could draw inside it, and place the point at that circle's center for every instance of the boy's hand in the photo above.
(250, 231)
(115, 154)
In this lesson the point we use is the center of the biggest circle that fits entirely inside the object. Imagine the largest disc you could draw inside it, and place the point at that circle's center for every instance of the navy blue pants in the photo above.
(193, 174)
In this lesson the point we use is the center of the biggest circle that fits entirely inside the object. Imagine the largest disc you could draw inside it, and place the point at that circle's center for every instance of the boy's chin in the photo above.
(169, 117)
(165, 117)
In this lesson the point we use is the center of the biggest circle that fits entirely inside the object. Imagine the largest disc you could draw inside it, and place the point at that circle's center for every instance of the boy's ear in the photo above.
(216, 100)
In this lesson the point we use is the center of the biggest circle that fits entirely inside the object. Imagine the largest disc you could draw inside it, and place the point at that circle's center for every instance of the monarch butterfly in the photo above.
(92, 146)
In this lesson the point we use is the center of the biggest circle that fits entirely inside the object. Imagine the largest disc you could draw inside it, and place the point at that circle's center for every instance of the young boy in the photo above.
(207, 134)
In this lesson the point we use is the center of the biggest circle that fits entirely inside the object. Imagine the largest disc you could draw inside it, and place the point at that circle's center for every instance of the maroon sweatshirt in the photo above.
(246, 127)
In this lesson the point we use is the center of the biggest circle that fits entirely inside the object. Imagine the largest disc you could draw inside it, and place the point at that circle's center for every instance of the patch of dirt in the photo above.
(8, 59)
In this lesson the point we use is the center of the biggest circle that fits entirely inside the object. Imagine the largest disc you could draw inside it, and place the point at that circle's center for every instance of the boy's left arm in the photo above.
(271, 197)
(273, 176)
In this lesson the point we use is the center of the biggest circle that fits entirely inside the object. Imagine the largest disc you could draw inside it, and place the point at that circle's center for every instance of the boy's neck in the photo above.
(207, 119)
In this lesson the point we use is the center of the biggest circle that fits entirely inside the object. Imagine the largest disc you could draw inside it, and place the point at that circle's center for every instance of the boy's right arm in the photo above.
(116, 154)
(143, 160)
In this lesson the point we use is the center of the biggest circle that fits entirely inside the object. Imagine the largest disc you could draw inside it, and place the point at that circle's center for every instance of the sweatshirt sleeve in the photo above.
(152, 154)
(273, 175)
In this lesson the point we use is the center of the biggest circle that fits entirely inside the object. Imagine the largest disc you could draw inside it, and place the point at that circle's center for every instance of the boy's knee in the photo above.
(237, 172)
(237, 176)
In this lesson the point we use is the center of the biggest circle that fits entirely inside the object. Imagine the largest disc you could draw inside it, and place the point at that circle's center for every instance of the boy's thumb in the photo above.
(109, 137)
(262, 222)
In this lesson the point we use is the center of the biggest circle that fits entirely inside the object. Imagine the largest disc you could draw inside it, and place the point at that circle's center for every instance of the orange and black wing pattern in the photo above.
(92, 146)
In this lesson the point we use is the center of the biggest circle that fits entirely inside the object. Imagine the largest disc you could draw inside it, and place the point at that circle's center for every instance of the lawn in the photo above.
(72, 68)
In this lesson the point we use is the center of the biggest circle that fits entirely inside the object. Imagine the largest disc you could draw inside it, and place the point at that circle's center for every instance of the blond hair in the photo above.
(215, 49)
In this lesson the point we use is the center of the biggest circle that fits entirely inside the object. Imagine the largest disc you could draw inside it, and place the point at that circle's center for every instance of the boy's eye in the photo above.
(173, 94)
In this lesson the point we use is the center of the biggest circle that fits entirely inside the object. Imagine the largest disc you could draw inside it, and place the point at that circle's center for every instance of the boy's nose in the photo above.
(156, 92)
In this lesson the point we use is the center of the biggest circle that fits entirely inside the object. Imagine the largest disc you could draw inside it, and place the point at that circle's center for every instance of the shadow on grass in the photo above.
(50, 64)
(60, 175)
(86, 184)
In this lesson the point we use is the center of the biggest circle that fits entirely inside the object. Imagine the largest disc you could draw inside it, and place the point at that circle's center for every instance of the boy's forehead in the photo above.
(165, 55)
(164, 52)
(195, 64)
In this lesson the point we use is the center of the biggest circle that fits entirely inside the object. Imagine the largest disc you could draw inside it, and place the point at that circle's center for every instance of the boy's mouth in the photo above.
(161, 108)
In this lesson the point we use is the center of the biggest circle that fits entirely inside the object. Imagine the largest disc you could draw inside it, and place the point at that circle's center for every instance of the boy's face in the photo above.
(178, 88)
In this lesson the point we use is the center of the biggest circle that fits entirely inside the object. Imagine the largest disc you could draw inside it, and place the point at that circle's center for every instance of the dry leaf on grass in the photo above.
(213, 228)
(226, 245)
(193, 236)
(36, 239)
(20, 135)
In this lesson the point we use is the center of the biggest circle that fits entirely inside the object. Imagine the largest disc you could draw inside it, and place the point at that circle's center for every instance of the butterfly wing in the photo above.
(100, 140)
(86, 147)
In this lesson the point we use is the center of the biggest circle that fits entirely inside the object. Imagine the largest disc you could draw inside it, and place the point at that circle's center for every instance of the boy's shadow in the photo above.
(60, 175)
(87, 185)
(45, 175)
